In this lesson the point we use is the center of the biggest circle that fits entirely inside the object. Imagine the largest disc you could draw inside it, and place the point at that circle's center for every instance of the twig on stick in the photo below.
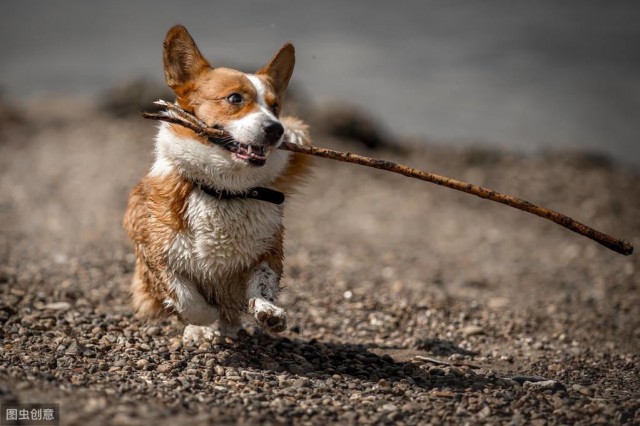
(176, 115)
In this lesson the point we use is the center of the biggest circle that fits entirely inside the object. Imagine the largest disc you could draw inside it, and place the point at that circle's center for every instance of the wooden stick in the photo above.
(176, 115)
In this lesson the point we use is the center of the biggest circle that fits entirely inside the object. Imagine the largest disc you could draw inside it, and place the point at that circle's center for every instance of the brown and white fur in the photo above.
(207, 259)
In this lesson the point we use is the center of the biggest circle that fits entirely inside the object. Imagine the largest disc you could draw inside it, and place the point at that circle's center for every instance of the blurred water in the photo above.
(524, 75)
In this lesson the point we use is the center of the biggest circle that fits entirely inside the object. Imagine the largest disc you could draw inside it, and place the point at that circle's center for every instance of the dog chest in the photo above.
(224, 237)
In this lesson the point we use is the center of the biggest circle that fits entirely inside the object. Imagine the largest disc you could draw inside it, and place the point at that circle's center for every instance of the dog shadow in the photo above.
(442, 347)
(332, 360)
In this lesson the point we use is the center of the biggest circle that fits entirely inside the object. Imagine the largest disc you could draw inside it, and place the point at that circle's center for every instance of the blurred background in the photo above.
(528, 76)
(536, 99)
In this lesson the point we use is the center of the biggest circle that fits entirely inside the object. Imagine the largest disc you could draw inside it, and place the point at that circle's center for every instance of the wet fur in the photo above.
(195, 254)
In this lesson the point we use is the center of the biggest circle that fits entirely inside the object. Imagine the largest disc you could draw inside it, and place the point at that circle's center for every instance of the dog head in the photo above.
(247, 106)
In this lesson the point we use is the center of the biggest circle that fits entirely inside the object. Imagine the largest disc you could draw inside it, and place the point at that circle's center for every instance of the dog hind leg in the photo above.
(194, 310)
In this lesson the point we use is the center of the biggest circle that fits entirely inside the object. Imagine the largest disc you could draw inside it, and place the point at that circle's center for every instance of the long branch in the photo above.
(175, 114)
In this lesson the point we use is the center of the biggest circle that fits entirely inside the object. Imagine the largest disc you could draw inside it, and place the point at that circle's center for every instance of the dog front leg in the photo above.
(262, 292)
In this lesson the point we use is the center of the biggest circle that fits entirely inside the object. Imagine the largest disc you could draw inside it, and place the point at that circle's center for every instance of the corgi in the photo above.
(206, 220)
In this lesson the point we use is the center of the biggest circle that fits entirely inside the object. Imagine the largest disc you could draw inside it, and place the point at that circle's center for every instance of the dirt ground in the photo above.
(408, 303)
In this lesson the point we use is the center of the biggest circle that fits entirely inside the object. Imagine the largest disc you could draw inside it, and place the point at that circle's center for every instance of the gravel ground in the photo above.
(408, 303)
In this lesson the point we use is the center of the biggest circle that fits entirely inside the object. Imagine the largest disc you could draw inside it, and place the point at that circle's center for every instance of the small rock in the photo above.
(57, 306)
(73, 348)
(409, 406)
(544, 385)
(231, 372)
(251, 375)
(472, 330)
(302, 383)
(153, 331)
(443, 393)
(165, 367)
(383, 383)
(389, 407)
(436, 371)
(120, 363)
(522, 379)
(235, 358)
(409, 368)
(296, 369)
(141, 364)
(485, 412)
(583, 390)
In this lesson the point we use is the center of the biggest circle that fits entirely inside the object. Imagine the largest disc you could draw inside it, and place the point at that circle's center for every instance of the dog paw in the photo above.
(271, 318)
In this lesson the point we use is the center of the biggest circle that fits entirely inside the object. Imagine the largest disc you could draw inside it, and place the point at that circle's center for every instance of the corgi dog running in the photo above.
(206, 220)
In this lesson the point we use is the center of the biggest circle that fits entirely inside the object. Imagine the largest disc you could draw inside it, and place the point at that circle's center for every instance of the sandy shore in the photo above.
(408, 303)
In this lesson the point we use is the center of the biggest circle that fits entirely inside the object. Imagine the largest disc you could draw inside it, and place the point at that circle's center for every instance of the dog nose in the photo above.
(273, 130)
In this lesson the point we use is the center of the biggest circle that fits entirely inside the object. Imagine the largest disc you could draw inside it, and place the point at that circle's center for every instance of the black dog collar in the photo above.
(259, 193)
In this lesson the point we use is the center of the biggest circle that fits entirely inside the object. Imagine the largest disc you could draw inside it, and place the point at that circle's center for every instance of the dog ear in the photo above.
(182, 60)
(280, 68)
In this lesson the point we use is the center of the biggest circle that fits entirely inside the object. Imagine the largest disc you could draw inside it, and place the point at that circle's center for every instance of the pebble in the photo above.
(436, 371)
(165, 367)
(389, 407)
(73, 348)
(57, 306)
(296, 369)
(544, 385)
(251, 375)
(384, 383)
(153, 331)
(583, 390)
(302, 383)
(472, 330)
(485, 412)
(522, 379)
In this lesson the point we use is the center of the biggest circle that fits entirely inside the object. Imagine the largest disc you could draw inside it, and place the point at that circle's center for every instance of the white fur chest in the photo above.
(223, 237)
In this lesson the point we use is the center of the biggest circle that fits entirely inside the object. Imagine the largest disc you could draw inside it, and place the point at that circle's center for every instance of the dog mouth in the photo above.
(255, 155)
(252, 154)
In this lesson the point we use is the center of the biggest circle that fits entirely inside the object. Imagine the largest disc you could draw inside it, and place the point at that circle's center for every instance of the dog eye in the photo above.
(274, 109)
(235, 98)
